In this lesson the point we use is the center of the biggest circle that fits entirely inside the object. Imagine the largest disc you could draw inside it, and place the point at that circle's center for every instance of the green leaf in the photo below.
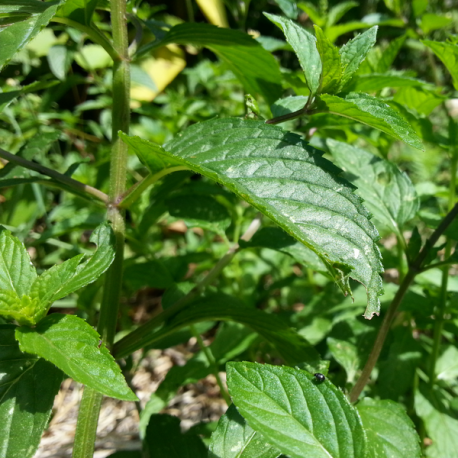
(374, 82)
(313, 13)
(16, 270)
(62, 279)
(292, 347)
(29, 385)
(441, 426)
(277, 239)
(288, 105)
(304, 45)
(448, 54)
(354, 52)
(295, 412)
(336, 12)
(388, 55)
(330, 58)
(15, 36)
(73, 346)
(200, 211)
(420, 99)
(78, 10)
(390, 432)
(153, 273)
(336, 31)
(234, 438)
(346, 354)
(430, 22)
(164, 439)
(373, 112)
(288, 181)
(388, 193)
(447, 364)
(256, 68)
(59, 59)
(288, 7)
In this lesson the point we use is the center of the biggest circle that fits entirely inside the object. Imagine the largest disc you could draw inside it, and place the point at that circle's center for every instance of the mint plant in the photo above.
(311, 212)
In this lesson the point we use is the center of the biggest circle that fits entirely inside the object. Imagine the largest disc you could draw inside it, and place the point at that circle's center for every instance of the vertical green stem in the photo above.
(211, 360)
(440, 311)
(91, 402)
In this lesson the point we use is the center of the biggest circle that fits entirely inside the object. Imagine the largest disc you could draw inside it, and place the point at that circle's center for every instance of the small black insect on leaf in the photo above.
(319, 377)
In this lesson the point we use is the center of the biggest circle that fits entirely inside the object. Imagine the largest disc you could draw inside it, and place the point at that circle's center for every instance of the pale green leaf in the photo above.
(16, 270)
(295, 412)
(373, 112)
(304, 45)
(288, 105)
(288, 7)
(29, 385)
(390, 432)
(448, 54)
(336, 31)
(15, 36)
(289, 182)
(255, 67)
(73, 346)
(375, 82)
(430, 22)
(330, 58)
(447, 363)
(354, 52)
(388, 193)
(421, 99)
(234, 438)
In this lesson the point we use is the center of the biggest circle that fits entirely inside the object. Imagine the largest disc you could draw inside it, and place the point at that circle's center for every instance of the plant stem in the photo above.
(75, 185)
(211, 360)
(414, 268)
(440, 311)
(86, 432)
(137, 339)
(293, 115)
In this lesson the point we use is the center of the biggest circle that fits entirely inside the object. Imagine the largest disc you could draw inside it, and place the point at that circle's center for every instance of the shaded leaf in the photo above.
(346, 354)
(164, 439)
(78, 10)
(289, 182)
(304, 45)
(73, 346)
(295, 412)
(448, 54)
(234, 438)
(373, 112)
(390, 432)
(29, 385)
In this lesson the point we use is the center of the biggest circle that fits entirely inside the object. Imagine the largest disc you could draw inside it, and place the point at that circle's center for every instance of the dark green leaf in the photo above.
(153, 274)
(288, 181)
(373, 112)
(78, 10)
(346, 354)
(15, 36)
(233, 438)
(295, 412)
(164, 439)
(388, 193)
(73, 346)
(29, 385)
(304, 45)
(354, 52)
(251, 63)
(390, 432)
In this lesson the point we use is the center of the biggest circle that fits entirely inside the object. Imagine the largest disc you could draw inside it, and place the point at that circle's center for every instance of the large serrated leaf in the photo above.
(234, 438)
(15, 36)
(390, 432)
(354, 52)
(298, 414)
(304, 45)
(373, 112)
(27, 390)
(73, 346)
(16, 270)
(388, 193)
(251, 63)
(288, 181)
